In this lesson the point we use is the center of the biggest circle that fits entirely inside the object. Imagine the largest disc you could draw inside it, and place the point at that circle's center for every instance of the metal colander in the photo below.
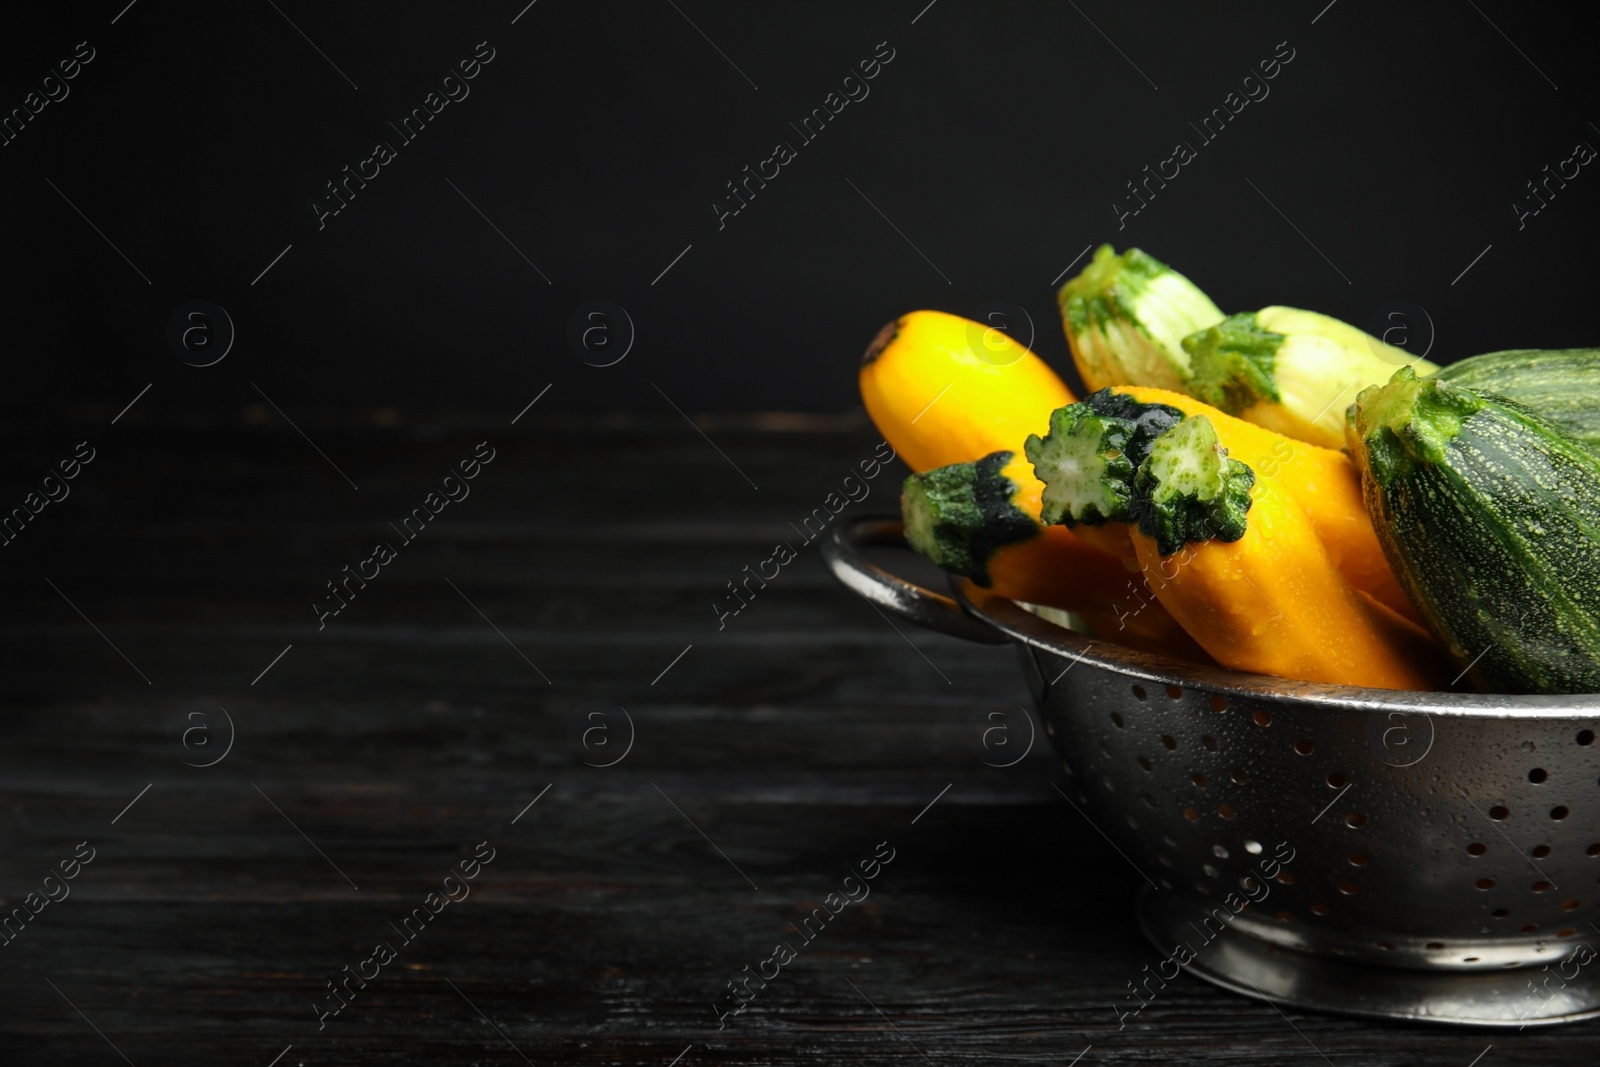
(1444, 847)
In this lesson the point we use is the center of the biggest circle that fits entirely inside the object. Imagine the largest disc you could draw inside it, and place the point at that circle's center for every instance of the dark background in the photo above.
(598, 138)
(179, 576)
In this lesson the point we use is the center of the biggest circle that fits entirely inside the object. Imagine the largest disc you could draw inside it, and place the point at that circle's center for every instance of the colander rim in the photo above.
(1022, 626)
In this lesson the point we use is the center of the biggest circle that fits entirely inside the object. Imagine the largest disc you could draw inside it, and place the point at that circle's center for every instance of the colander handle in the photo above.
(841, 552)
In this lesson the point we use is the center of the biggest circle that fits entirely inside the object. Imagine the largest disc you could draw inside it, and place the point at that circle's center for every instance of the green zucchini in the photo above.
(1126, 317)
(1490, 517)
(1560, 384)
(1290, 370)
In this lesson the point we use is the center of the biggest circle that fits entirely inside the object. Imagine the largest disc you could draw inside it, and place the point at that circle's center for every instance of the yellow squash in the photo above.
(943, 389)
(1322, 481)
(1273, 602)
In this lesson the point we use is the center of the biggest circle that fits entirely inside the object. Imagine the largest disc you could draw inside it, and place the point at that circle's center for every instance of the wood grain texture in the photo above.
(795, 739)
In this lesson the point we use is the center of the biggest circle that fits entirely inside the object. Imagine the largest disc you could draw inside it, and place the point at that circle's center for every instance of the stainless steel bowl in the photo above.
(1443, 848)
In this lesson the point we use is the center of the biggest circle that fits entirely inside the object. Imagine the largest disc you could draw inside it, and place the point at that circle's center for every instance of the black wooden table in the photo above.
(465, 704)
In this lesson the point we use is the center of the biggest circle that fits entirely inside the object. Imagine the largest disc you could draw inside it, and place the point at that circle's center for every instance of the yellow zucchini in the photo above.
(1322, 481)
(1267, 598)
(943, 389)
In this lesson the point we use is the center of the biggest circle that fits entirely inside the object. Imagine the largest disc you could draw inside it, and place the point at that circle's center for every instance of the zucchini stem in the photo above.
(1189, 489)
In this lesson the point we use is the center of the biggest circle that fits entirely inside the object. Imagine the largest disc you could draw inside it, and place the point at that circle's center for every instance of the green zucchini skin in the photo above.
(1560, 384)
(1490, 517)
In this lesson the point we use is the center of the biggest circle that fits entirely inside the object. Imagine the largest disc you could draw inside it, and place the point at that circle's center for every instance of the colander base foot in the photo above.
(1247, 965)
